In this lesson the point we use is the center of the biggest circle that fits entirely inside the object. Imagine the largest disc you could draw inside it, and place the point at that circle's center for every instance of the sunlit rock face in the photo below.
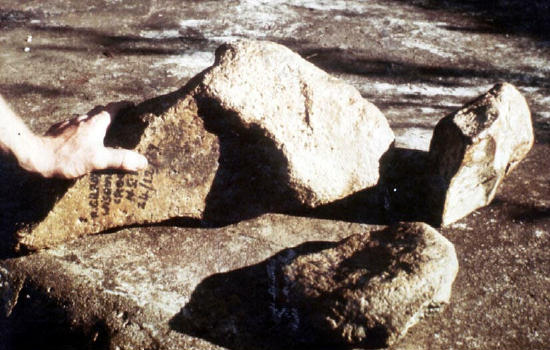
(331, 139)
(474, 148)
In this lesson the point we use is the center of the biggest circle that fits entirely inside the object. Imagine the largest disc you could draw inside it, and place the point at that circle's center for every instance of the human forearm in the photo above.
(18, 140)
(70, 149)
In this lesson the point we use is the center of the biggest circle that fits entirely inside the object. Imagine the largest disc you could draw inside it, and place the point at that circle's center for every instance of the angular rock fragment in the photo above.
(368, 289)
(474, 148)
(330, 137)
(183, 159)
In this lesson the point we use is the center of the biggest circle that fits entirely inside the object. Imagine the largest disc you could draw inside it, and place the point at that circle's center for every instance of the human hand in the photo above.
(75, 147)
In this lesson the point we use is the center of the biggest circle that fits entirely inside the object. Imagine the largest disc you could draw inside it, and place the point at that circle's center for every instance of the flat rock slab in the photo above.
(131, 289)
(367, 289)
(474, 148)
(183, 159)
(329, 138)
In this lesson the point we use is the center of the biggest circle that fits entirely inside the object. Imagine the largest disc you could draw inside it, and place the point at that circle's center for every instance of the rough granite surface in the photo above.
(368, 289)
(474, 148)
(330, 138)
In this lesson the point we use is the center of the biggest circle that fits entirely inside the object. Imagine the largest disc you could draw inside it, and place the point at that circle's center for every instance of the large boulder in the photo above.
(331, 139)
(183, 159)
(368, 289)
(474, 148)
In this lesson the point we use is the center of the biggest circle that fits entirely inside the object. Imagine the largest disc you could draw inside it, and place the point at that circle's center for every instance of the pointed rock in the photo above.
(330, 138)
(369, 288)
(474, 148)
(183, 159)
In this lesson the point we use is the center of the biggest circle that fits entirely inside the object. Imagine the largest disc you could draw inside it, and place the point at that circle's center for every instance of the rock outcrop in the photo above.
(369, 288)
(330, 138)
(474, 148)
(183, 159)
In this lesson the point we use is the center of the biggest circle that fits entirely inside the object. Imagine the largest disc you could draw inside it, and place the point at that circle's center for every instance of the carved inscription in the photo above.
(93, 197)
(106, 197)
(111, 190)
(146, 187)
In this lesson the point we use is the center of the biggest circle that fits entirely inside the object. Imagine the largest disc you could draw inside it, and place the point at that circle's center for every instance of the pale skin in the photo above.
(70, 149)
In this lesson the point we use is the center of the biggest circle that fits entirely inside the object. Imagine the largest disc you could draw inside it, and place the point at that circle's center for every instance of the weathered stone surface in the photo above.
(183, 159)
(128, 289)
(414, 68)
(474, 148)
(369, 288)
(331, 138)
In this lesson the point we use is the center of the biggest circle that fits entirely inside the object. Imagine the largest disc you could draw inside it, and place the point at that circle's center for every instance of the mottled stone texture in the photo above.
(183, 159)
(329, 136)
(287, 134)
(369, 288)
(474, 148)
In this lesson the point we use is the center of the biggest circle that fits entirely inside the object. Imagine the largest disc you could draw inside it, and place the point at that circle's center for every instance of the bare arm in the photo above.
(69, 149)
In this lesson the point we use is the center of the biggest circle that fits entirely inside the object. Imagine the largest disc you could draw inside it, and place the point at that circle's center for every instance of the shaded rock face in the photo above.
(329, 136)
(368, 289)
(9, 289)
(183, 159)
(474, 148)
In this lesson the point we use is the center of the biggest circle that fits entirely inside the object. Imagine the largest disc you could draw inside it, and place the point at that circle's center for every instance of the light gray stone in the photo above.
(331, 138)
(367, 289)
(474, 148)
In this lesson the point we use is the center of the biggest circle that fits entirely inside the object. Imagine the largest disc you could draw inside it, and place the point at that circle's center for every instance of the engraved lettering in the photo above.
(146, 184)
(106, 195)
(130, 195)
(93, 196)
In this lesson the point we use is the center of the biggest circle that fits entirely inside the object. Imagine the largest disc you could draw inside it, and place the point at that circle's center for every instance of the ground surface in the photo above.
(416, 60)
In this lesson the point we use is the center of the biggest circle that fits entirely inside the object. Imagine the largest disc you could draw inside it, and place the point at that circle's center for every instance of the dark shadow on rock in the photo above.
(252, 175)
(113, 44)
(246, 309)
(336, 60)
(38, 322)
(18, 90)
(406, 191)
(10, 19)
(24, 199)
(542, 131)
(517, 17)
(522, 213)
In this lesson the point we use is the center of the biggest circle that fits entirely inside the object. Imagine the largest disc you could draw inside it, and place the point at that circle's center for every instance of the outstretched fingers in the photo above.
(122, 159)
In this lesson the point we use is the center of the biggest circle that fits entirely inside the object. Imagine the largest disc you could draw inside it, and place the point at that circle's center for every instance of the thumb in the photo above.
(122, 159)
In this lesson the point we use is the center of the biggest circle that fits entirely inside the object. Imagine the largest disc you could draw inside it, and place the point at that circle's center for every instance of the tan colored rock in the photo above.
(368, 289)
(474, 148)
(330, 137)
(183, 159)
